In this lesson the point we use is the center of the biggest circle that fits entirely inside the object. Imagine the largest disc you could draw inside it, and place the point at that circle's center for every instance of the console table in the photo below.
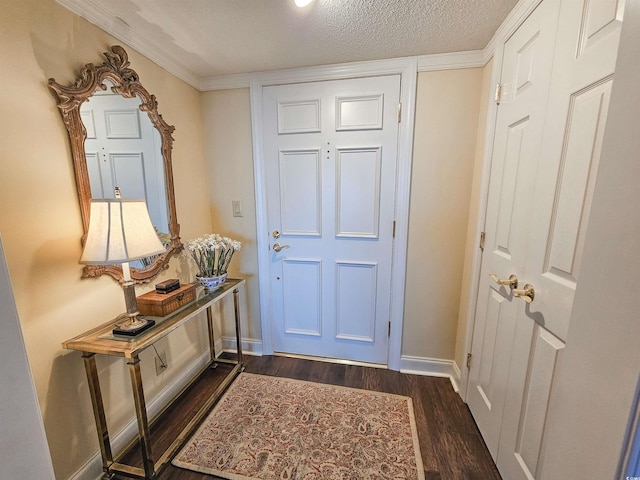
(101, 341)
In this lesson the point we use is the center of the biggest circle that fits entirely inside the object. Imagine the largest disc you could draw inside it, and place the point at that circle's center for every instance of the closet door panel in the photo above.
(581, 80)
(525, 78)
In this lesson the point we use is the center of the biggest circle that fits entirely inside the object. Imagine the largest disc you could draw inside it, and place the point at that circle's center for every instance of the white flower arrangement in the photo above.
(212, 253)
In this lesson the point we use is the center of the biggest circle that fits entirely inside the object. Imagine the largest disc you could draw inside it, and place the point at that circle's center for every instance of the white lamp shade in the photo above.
(120, 230)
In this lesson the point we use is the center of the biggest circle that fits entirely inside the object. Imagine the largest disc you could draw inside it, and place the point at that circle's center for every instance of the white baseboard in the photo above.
(455, 377)
(432, 367)
(219, 346)
(250, 346)
(92, 470)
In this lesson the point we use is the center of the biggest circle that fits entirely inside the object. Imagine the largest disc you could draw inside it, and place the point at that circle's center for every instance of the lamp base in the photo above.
(133, 326)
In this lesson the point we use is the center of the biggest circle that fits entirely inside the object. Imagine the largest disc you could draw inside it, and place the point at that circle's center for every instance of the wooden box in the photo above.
(162, 304)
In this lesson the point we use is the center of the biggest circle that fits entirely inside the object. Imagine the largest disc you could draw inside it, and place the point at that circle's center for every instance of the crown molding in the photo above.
(488, 52)
(225, 82)
(450, 61)
(103, 18)
(426, 63)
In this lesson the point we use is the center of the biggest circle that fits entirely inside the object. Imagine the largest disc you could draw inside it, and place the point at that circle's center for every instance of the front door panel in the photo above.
(330, 158)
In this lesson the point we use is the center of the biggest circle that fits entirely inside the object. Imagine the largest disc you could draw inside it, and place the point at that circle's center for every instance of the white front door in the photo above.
(330, 152)
(525, 77)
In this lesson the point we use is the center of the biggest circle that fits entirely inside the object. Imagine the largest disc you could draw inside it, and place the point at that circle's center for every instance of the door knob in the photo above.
(527, 293)
(277, 247)
(512, 281)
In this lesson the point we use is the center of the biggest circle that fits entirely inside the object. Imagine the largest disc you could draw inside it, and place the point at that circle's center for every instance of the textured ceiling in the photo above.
(220, 37)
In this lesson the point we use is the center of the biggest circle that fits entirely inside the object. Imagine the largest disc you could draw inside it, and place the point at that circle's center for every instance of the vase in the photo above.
(212, 282)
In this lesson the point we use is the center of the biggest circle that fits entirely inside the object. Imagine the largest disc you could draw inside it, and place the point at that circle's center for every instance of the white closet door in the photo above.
(585, 56)
(525, 77)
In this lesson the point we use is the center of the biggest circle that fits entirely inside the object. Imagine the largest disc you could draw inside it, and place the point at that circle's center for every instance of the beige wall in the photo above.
(41, 226)
(229, 153)
(473, 241)
(447, 109)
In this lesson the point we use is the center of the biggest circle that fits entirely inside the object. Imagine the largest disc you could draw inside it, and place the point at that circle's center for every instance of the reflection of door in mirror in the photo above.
(123, 150)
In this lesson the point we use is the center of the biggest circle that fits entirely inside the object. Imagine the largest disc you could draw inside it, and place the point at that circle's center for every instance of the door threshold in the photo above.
(331, 360)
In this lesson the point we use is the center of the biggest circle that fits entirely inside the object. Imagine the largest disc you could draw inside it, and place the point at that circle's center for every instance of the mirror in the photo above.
(118, 139)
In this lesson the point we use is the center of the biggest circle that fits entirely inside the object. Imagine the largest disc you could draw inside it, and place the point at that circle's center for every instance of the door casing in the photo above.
(407, 69)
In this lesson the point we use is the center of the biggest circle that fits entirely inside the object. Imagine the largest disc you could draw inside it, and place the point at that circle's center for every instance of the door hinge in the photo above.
(482, 237)
(389, 330)
(498, 95)
(393, 229)
(468, 360)
(399, 112)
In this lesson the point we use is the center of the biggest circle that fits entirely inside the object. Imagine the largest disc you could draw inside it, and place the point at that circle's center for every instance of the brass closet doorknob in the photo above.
(527, 293)
(512, 281)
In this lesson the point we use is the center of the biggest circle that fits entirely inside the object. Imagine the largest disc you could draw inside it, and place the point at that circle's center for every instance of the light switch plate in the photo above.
(237, 208)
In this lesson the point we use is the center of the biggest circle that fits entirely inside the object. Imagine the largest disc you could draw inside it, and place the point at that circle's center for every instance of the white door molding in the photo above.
(407, 69)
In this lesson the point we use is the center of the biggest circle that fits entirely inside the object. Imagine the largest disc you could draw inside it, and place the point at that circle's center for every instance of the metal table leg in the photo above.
(141, 414)
(236, 308)
(98, 409)
(212, 346)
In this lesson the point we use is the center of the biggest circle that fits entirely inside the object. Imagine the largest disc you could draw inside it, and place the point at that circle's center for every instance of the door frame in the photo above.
(407, 68)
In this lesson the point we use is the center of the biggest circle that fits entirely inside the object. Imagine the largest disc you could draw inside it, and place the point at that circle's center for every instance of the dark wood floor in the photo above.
(452, 448)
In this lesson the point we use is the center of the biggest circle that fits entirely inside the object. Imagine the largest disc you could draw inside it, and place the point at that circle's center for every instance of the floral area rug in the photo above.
(281, 429)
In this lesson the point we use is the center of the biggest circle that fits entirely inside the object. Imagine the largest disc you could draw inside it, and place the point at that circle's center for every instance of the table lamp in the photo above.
(120, 231)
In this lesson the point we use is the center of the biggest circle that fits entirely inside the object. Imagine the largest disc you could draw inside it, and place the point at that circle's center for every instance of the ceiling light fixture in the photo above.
(302, 3)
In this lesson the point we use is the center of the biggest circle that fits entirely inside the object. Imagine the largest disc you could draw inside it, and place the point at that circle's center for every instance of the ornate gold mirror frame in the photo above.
(126, 83)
